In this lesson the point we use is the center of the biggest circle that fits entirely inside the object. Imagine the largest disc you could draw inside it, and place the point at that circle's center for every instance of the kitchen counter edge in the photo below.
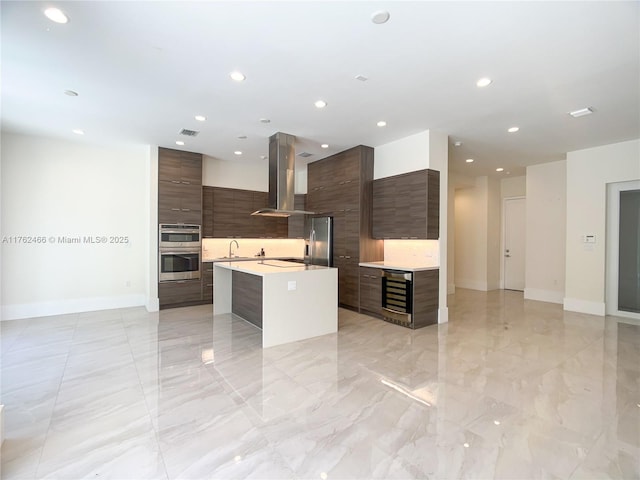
(397, 266)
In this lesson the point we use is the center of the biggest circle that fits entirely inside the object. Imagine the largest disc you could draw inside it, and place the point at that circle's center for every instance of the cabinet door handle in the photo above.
(347, 256)
(175, 181)
(186, 209)
(175, 209)
(187, 183)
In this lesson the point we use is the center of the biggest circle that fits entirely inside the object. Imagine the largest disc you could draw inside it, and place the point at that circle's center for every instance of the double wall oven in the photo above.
(180, 248)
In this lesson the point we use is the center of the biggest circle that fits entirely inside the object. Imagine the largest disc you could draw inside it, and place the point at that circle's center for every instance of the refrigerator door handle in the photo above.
(312, 245)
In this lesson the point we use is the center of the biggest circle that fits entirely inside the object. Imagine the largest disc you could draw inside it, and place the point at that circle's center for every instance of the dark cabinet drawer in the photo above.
(183, 292)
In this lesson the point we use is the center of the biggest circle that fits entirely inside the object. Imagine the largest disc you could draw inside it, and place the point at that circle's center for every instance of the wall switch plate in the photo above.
(291, 285)
(589, 238)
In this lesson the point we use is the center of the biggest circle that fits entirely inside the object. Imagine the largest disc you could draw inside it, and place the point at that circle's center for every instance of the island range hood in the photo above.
(282, 159)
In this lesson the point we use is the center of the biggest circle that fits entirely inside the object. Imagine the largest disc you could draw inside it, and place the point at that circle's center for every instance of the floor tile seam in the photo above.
(55, 403)
(145, 394)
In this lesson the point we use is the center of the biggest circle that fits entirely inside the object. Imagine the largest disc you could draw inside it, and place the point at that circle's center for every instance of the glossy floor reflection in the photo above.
(507, 389)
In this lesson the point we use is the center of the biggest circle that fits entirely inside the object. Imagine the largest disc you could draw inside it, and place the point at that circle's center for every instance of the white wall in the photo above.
(471, 236)
(53, 189)
(513, 187)
(246, 175)
(588, 172)
(546, 232)
(494, 233)
(403, 156)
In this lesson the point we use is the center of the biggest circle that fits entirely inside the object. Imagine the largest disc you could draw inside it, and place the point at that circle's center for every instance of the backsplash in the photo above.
(412, 252)
(249, 247)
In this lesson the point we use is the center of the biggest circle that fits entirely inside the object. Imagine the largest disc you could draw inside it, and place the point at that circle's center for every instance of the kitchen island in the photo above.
(288, 301)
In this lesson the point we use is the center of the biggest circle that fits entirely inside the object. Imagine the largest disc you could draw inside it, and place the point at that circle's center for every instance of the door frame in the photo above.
(503, 237)
(612, 248)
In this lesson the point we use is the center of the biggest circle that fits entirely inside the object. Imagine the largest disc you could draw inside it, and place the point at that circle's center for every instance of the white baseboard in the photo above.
(541, 295)
(152, 304)
(472, 285)
(78, 305)
(443, 314)
(584, 306)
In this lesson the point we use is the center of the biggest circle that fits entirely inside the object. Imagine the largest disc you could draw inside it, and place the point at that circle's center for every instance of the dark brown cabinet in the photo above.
(407, 206)
(371, 291)
(207, 212)
(340, 186)
(176, 166)
(227, 214)
(207, 282)
(179, 187)
(425, 297)
(246, 297)
(180, 293)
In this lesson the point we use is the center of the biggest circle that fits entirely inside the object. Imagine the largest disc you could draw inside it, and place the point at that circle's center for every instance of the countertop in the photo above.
(269, 267)
(245, 259)
(398, 266)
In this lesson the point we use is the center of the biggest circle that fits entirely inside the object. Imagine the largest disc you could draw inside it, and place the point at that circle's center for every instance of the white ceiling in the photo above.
(144, 69)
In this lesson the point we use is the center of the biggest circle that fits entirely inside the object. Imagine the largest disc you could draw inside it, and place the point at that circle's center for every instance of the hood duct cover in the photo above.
(282, 160)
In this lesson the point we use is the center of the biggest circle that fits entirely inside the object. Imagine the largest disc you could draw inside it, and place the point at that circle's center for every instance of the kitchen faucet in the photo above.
(231, 243)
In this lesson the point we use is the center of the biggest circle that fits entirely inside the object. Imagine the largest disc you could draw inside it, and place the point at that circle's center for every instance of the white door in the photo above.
(514, 242)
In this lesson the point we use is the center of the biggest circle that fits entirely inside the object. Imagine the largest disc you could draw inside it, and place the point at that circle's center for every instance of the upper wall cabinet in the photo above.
(227, 214)
(407, 206)
(179, 187)
(176, 167)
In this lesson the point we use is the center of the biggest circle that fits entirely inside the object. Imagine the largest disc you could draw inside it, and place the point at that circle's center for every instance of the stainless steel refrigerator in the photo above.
(318, 249)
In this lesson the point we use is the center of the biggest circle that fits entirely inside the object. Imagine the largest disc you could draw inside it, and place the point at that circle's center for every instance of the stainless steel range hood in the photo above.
(282, 160)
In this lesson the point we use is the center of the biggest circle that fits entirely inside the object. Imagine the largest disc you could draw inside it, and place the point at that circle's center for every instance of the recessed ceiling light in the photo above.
(325, 145)
(513, 129)
(237, 152)
(379, 17)
(242, 137)
(465, 445)
(362, 78)
(179, 142)
(56, 15)
(469, 160)
(499, 169)
(483, 82)
(71, 93)
(78, 131)
(320, 104)
(265, 120)
(263, 157)
(582, 112)
(382, 123)
(457, 144)
(237, 76)
(497, 422)
(200, 118)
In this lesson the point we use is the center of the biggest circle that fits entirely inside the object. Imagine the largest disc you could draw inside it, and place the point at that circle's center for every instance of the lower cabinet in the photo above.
(246, 297)
(207, 282)
(425, 297)
(180, 293)
(370, 291)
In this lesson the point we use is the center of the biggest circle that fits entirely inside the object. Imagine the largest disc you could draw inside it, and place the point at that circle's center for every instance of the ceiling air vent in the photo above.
(305, 154)
(188, 133)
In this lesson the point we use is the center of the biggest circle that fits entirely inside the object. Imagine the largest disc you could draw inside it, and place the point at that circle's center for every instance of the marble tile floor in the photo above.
(507, 389)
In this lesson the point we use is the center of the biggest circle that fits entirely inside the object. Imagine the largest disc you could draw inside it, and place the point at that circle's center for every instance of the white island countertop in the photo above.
(399, 266)
(268, 267)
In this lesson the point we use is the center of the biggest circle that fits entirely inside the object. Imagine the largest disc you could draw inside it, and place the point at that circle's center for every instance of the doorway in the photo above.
(514, 221)
(623, 250)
